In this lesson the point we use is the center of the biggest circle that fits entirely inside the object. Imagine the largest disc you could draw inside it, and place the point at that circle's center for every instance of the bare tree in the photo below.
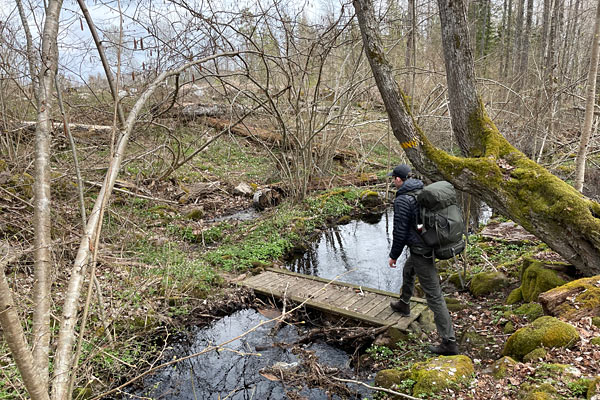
(590, 101)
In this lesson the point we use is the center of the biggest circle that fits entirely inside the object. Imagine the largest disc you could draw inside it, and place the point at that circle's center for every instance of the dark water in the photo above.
(233, 371)
(355, 253)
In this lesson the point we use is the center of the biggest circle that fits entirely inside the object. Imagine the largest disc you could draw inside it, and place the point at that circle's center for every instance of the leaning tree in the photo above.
(490, 167)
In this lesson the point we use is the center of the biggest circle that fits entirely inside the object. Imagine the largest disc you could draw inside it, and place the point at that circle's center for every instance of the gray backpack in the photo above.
(443, 227)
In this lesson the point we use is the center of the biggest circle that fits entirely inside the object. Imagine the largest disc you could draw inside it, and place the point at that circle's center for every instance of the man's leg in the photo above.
(402, 306)
(430, 282)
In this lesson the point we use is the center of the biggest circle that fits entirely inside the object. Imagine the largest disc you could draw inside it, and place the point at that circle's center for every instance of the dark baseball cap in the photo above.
(400, 171)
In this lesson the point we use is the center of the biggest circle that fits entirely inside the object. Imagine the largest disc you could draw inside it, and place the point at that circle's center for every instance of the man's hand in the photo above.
(392, 263)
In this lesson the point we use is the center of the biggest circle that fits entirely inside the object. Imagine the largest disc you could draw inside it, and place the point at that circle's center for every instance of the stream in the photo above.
(355, 253)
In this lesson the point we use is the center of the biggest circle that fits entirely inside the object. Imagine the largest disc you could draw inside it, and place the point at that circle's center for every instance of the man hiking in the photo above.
(421, 261)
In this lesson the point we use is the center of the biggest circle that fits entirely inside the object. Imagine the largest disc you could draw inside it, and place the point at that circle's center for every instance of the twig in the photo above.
(277, 326)
(16, 197)
(380, 389)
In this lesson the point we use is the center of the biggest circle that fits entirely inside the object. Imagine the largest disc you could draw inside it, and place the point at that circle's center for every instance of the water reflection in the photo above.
(233, 372)
(356, 252)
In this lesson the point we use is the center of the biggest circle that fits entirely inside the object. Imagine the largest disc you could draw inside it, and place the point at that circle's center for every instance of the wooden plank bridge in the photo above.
(351, 301)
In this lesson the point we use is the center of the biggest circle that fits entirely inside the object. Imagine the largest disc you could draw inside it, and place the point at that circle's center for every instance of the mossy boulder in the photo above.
(574, 300)
(595, 341)
(370, 199)
(535, 355)
(431, 376)
(537, 279)
(593, 392)
(22, 184)
(195, 214)
(516, 296)
(531, 311)
(501, 367)
(388, 378)
(487, 282)
(509, 327)
(437, 374)
(596, 321)
(544, 331)
(455, 305)
(455, 280)
(544, 391)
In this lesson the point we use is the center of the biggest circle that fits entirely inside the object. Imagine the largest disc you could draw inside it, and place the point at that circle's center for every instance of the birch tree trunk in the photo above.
(589, 106)
(494, 170)
(42, 201)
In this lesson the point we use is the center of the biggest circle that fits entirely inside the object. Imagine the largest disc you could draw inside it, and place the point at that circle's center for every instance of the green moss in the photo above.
(455, 305)
(587, 299)
(509, 327)
(3, 165)
(544, 391)
(535, 355)
(455, 279)
(537, 279)
(196, 214)
(531, 311)
(502, 366)
(387, 378)
(515, 296)
(595, 341)
(596, 321)
(440, 373)
(487, 282)
(593, 388)
(545, 331)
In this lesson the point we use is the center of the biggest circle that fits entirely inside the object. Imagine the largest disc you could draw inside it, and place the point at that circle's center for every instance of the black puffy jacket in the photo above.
(406, 212)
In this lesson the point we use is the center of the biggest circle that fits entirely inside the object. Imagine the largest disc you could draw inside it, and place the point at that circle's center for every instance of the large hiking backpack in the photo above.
(443, 227)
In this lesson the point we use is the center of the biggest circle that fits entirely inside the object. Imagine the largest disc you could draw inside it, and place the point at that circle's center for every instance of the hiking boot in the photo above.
(446, 348)
(401, 307)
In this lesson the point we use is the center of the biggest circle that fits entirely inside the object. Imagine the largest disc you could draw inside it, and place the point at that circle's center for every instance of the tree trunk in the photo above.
(14, 335)
(41, 213)
(494, 171)
(589, 106)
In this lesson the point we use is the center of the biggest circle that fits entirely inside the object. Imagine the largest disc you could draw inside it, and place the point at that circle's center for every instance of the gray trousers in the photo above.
(424, 268)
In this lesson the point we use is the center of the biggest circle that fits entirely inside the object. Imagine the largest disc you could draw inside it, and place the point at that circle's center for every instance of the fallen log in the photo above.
(573, 301)
(197, 110)
(264, 136)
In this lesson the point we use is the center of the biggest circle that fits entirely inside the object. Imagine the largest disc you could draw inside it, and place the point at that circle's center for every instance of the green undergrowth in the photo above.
(263, 241)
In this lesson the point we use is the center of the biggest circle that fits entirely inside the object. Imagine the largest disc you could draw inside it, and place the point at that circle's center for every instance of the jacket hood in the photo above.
(410, 185)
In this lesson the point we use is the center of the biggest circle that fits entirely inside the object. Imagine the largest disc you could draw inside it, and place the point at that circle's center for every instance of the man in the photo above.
(420, 261)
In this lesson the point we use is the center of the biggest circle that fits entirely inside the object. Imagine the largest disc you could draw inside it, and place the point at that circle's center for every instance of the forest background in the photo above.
(182, 79)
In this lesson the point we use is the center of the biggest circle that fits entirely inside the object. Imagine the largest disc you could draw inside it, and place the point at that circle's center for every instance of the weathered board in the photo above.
(351, 301)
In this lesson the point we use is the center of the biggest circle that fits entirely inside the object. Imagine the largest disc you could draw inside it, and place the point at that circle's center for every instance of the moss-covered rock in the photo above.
(531, 311)
(544, 391)
(596, 321)
(544, 331)
(536, 279)
(487, 282)
(574, 300)
(509, 327)
(370, 199)
(455, 280)
(535, 355)
(501, 367)
(195, 214)
(595, 341)
(437, 374)
(455, 305)
(516, 296)
(593, 392)
(387, 378)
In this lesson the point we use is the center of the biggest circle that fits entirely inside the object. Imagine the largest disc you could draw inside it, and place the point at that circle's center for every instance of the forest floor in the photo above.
(172, 250)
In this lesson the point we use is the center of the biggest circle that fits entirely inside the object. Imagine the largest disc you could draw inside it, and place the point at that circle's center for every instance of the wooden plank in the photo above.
(338, 283)
(334, 297)
(385, 303)
(348, 297)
